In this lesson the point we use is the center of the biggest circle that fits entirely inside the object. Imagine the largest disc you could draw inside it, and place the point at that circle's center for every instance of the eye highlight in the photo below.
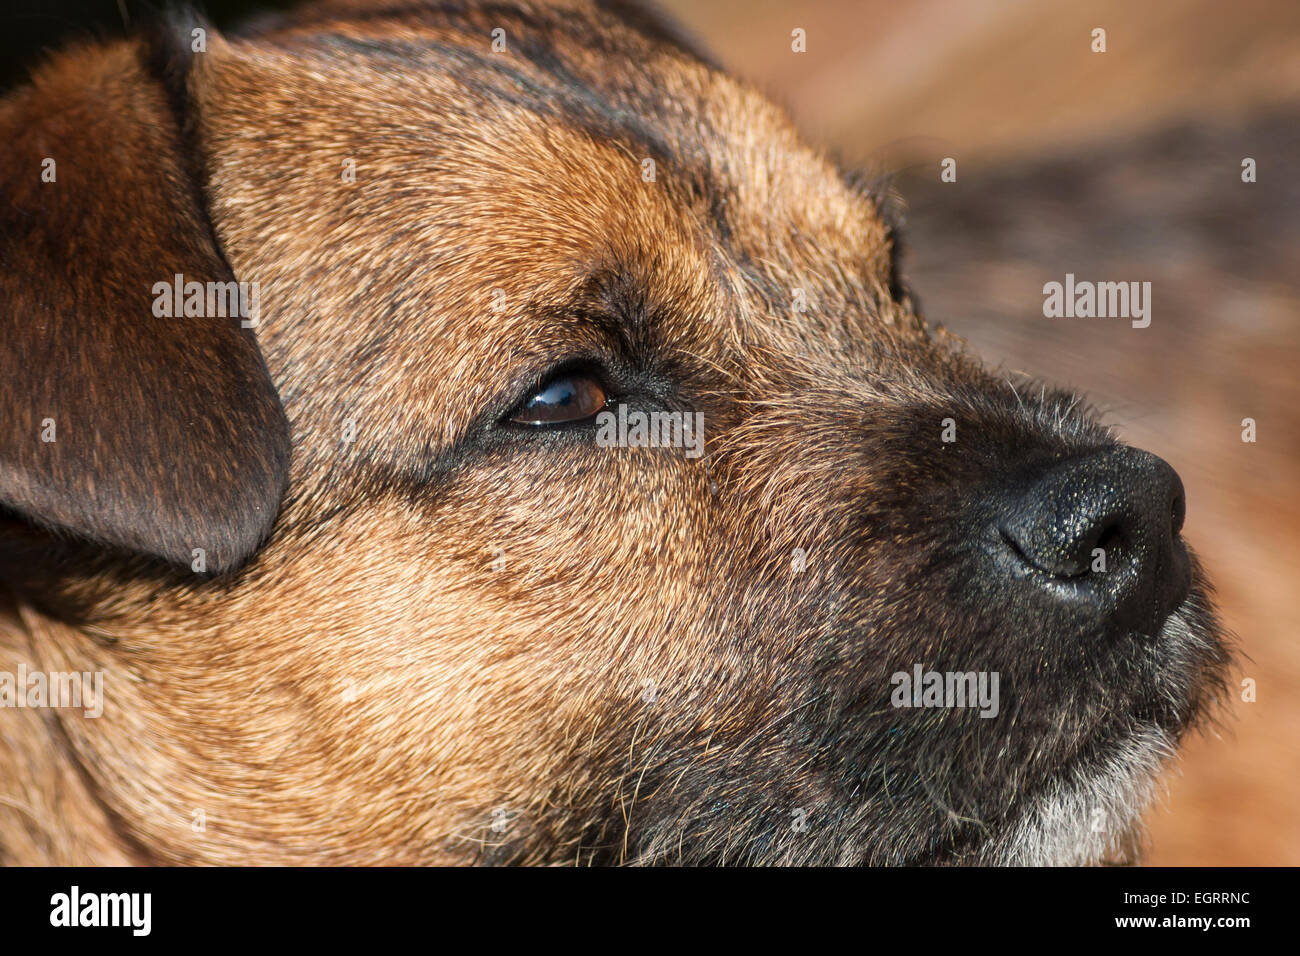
(564, 399)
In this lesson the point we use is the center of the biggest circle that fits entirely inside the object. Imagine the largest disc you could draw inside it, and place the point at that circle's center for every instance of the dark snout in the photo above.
(1101, 534)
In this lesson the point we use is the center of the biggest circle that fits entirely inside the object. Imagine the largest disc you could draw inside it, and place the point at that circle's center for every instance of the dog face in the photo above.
(478, 630)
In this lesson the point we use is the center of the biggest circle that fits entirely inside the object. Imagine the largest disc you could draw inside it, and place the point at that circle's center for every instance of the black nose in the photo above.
(1103, 532)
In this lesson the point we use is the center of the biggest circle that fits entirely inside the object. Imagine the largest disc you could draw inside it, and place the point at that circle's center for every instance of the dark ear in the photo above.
(156, 434)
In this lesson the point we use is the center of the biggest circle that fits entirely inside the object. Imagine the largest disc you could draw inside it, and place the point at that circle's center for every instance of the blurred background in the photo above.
(1122, 165)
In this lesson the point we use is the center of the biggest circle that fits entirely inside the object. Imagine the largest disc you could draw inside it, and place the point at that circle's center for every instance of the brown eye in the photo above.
(567, 398)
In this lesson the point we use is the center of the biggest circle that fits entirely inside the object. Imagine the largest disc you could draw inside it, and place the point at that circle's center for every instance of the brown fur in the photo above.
(370, 688)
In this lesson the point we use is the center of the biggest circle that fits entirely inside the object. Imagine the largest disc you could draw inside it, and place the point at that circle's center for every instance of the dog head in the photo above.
(493, 256)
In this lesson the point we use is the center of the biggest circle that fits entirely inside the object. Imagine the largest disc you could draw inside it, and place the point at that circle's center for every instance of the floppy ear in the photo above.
(154, 433)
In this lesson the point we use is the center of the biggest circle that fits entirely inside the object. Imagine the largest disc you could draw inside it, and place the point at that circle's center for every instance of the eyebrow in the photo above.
(616, 302)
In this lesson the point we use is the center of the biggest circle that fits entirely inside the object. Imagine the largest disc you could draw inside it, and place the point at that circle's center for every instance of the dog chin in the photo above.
(1090, 814)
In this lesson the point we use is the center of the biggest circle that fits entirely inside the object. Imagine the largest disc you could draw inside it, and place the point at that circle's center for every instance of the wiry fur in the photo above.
(647, 680)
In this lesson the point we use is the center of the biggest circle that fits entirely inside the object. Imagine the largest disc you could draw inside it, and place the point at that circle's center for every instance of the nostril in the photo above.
(1014, 546)
(1047, 551)
(1109, 541)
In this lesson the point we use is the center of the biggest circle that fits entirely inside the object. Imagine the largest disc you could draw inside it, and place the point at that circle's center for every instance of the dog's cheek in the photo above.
(555, 600)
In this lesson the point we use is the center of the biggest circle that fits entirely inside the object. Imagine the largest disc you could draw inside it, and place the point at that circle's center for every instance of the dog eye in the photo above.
(569, 397)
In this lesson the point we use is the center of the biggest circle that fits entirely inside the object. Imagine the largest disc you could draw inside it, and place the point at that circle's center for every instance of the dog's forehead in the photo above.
(467, 185)
(467, 81)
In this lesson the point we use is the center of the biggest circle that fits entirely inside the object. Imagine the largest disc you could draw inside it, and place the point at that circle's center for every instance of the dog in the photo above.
(315, 334)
